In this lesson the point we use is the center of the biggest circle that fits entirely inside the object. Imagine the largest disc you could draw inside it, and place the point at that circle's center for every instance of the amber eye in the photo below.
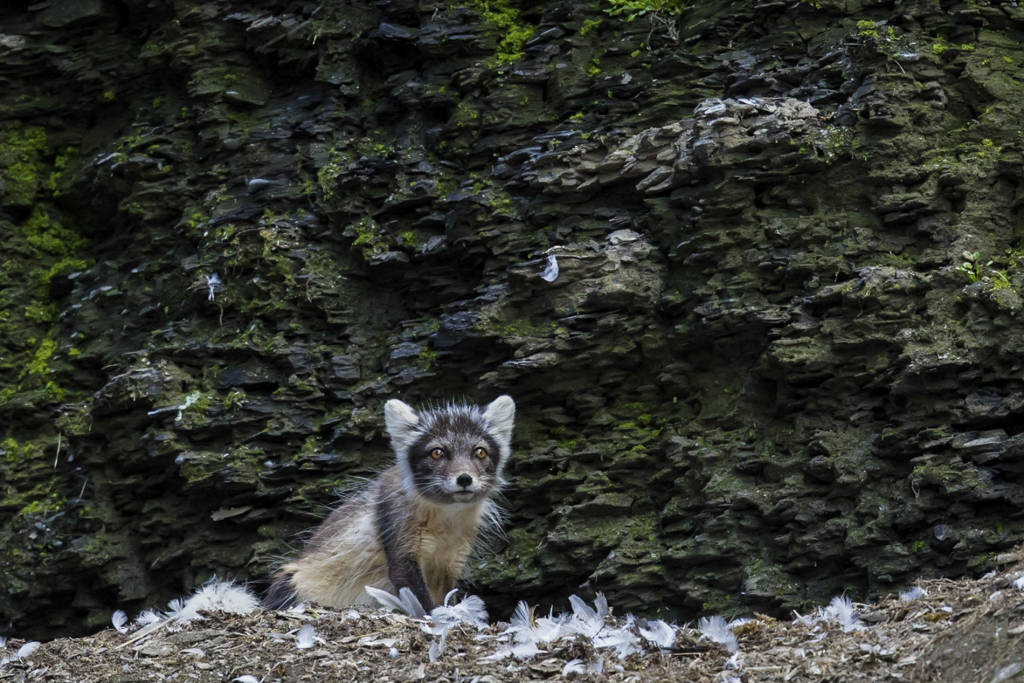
(480, 452)
(437, 453)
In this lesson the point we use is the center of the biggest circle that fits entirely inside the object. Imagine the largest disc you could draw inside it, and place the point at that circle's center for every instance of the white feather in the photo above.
(406, 601)
(912, 593)
(549, 629)
(470, 610)
(574, 666)
(147, 617)
(622, 640)
(550, 273)
(658, 632)
(26, 650)
(306, 637)
(585, 620)
(1019, 583)
(247, 678)
(174, 607)
(522, 616)
(717, 630)
(525, 650)
(119, 619)
(841, 610)
(217, 596)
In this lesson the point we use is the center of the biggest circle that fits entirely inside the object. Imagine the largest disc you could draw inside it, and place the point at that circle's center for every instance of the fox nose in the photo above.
(464, 480)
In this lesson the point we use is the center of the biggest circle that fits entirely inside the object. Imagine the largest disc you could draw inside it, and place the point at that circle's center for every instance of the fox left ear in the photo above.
(500, 415)
(400, 420)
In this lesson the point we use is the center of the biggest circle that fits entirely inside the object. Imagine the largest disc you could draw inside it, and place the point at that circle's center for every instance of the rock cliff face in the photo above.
(782, 356)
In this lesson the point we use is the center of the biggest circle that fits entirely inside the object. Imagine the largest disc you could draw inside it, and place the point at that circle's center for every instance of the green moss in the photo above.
(39, 365)
(48, 235)
(866, 28)
(21, 163)
(513, 30)
(234, 398)
(337, 161)
(631, 9)
(369, 237)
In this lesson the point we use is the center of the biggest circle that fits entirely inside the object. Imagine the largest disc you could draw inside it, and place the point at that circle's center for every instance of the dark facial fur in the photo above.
(453, 460)
(453, 454)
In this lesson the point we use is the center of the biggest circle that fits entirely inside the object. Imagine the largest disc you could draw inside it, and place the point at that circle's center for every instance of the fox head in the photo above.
(452, 454)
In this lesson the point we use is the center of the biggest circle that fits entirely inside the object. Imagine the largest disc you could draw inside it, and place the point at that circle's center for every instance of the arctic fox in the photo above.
(415, 524)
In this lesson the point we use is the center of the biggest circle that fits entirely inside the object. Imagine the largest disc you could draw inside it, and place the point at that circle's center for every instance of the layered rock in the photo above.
(780, 356)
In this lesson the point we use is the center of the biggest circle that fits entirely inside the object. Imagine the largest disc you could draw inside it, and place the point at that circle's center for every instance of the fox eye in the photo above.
(480, 452)
(437, 453)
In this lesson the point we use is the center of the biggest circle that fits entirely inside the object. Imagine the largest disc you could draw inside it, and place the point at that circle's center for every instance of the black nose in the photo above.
(464, 480)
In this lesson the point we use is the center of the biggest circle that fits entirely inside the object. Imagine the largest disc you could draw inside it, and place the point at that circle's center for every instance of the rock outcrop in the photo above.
(751, 271)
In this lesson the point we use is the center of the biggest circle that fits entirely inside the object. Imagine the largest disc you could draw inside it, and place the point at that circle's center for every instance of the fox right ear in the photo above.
(400, 420)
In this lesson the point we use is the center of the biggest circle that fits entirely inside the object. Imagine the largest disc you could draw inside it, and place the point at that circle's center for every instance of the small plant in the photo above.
(974, 270)
(970, 267)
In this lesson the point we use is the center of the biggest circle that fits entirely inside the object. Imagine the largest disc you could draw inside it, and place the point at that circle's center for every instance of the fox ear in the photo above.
(400, 420)
(500, 415)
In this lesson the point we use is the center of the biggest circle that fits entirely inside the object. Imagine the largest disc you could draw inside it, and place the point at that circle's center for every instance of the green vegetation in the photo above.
(974, 270)
(506, 19)
(631, 9)
(21, 164)
(867, 28)
(39, 249)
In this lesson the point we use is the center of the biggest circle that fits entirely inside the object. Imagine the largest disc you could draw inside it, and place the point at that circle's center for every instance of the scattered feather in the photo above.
(215, 596)
(470, 610)
(525, 650)
(522, 617)
(406, 602)
(622, 640)
(579, 667)
(550, 273)
(436, 648)
(147, 617)
(306, 637)
(1007, 672)
(1019, 583)
(574, 666)
(658, 632)
(841, 610)
(912, 593)
(585, 620)
(119, 619)
(26, 650)
(717, 630)
(247, 678)
(212, 283)
(734, 662)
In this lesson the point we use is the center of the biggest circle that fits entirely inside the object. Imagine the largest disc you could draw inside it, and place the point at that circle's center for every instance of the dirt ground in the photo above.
(965, 630)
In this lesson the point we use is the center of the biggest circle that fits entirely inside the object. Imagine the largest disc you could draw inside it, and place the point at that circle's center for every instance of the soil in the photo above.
(963, 630)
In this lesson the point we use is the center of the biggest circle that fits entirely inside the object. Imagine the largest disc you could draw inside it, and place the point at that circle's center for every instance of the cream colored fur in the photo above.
(346, 555)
